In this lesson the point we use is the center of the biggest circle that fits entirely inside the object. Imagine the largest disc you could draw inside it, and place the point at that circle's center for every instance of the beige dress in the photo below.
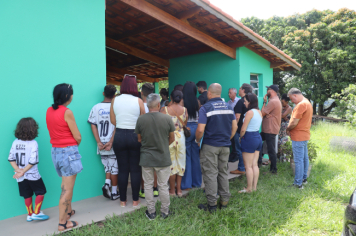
(177, 148)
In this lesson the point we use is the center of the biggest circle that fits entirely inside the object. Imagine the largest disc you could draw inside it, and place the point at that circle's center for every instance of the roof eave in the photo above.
(206, 5)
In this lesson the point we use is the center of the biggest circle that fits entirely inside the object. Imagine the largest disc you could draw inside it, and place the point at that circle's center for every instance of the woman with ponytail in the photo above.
(177, 148)
(65, 138)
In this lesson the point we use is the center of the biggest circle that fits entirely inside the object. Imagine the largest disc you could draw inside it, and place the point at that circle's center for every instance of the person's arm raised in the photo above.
(69, 118)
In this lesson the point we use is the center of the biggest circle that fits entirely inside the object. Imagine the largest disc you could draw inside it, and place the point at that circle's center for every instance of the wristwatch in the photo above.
(196, 141)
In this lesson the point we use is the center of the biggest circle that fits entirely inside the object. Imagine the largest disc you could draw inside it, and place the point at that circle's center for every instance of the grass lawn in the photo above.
(275, 209)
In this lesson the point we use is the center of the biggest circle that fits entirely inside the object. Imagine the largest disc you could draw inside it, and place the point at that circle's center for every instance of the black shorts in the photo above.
(28, 187)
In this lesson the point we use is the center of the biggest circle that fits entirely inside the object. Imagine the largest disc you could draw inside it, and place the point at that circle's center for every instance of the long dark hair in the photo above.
(61, 94)
(190, 99)
(253, 100)
(176, 96)
(26, 129)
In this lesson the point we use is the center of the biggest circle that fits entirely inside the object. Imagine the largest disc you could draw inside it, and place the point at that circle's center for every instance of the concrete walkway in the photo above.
(87, 211)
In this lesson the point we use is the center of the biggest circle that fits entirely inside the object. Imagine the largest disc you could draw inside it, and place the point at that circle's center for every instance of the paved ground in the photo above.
(87, 211)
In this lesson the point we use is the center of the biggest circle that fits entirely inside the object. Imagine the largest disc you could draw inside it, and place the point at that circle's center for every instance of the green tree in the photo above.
(327, 53)
(346, 104)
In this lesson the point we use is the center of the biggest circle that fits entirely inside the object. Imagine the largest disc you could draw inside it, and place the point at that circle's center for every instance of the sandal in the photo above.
(244, 191)
(71, 214)
(138, 204)
(123, 204)
(180, 194)
(69, 227)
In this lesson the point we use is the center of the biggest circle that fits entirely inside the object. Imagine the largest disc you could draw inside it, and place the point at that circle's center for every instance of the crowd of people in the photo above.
(164, 145)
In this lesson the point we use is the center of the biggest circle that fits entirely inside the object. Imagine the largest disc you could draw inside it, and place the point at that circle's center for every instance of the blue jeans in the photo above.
(241, 166)
(192, 175)
(67, 160)
(301, 161)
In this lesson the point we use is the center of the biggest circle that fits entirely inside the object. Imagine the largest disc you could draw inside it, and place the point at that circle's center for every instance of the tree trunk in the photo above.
(321, 109)
(314, 108)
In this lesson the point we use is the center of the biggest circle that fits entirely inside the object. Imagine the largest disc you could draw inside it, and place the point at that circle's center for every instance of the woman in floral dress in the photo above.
(177, 148)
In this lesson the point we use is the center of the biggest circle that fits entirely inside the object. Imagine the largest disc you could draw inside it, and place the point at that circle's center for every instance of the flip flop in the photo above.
(68, 227)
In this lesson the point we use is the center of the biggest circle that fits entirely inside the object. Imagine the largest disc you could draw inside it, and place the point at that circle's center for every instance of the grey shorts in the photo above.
(67, 161)
(110, 164)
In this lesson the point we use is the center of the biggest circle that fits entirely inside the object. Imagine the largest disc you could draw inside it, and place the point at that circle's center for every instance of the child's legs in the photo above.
(65, 200)
(39, 189)
(114, 170)
(26, 192)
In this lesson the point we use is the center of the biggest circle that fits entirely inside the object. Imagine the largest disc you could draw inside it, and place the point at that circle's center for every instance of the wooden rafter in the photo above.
(179, 25)
(136, 52)
(114, 70)
(277, 64)
(157, 24)
(234, 45)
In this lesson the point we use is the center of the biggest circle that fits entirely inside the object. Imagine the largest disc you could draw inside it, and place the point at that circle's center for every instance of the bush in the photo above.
(288, 151)
(346, 104)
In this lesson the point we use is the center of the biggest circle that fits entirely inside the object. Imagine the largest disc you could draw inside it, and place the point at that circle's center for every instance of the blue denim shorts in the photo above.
(67, 161)
(251, 142)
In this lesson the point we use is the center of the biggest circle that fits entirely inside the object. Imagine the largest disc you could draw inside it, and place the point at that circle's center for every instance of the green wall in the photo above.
(43, 43)
(215, 67)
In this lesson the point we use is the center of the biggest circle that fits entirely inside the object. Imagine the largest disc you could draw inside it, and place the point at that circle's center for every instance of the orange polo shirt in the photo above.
(304, 112)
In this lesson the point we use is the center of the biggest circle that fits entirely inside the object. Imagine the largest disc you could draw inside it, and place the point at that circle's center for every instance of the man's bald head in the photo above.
(215, 89)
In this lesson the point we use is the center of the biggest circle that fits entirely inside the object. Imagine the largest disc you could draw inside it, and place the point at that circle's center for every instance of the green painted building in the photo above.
(44, 43)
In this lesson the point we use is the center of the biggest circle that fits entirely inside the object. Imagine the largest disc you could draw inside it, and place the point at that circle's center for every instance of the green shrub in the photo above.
(288, 151)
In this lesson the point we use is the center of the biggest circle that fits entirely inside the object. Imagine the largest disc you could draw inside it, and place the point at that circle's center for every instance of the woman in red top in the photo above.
(65, 138)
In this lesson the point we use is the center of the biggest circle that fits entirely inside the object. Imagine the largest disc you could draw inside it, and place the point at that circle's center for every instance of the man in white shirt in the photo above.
(233, 98)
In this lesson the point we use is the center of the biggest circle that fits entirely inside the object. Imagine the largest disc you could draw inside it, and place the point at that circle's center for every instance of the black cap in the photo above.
(273, 87)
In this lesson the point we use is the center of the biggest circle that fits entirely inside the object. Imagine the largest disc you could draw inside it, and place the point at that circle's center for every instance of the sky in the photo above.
(265, 9)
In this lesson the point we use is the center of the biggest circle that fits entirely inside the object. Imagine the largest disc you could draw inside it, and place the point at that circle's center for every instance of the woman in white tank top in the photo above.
(251, 142)
(124, 111)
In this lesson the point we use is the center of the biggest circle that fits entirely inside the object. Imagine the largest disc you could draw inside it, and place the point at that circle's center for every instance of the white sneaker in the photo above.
(29, 219)
(39, 216)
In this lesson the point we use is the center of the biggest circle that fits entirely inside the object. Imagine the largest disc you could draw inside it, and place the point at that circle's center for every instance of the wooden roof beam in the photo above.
(157, 24)
(277, 64)
(234, 45)
(136, 52)
(179, 25)
(114, 70)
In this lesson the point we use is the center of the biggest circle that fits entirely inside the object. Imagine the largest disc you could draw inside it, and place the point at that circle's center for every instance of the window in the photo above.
(254, 83)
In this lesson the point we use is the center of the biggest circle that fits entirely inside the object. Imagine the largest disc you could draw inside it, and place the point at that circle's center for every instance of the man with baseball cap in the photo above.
(271, 124)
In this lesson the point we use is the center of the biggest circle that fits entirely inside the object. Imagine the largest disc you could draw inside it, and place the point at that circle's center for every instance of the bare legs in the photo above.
(173, 179)
(65, 200)
(252, 170)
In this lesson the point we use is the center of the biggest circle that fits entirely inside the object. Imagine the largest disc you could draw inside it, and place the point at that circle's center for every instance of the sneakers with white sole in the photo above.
(39, 216)
(305, 181)
(29, 219)
(106, 191)
(115, 196)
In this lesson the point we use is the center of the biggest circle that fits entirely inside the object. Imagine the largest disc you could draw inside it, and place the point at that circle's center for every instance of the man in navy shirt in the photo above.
(218, 124)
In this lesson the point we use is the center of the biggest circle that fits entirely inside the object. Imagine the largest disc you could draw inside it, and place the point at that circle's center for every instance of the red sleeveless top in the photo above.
(58, 129)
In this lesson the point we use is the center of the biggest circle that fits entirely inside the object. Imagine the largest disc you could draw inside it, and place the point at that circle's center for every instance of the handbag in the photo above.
(186, 129)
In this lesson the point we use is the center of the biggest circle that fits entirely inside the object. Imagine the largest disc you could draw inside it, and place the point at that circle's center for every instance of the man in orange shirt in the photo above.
(299, 131)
